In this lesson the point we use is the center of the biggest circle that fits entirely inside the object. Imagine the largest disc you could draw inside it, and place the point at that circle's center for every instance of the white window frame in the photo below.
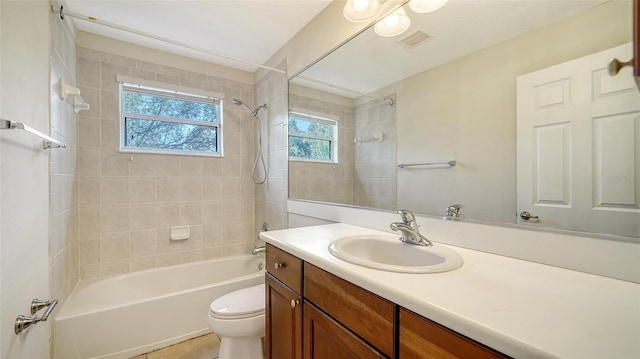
(179, 92)
(318, 117)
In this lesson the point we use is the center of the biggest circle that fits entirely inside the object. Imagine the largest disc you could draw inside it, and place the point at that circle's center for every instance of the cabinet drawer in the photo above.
(420, 338)
(284, 266)
(366, 314)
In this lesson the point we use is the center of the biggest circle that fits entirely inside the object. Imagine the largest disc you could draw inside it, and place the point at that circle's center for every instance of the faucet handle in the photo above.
(406, 215)
(455, 208)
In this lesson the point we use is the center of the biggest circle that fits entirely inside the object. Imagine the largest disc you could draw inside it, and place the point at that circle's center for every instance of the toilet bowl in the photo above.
(239, 320)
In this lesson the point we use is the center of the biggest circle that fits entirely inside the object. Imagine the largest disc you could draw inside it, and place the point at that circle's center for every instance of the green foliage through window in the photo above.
(312, 138)
(167, 121)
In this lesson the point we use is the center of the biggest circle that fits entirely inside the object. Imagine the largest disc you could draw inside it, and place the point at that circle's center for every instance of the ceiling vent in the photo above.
(414, 39)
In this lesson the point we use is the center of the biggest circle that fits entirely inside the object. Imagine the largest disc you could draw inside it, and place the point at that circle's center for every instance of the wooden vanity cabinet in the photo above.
(283, 332)
(283, 305)
(313, 314)
(326, 338)
(420, 338)
(367, 315)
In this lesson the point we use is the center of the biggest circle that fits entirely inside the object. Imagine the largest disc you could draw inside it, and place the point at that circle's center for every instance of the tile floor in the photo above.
(203, 347)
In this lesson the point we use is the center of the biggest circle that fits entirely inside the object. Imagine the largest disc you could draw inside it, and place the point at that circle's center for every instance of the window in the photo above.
(312, 137)
(154, 119)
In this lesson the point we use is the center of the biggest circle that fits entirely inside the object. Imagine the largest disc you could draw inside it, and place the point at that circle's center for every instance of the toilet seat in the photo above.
(242, 303)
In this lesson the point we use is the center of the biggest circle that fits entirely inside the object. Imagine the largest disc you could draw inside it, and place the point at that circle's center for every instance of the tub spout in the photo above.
(257, 250)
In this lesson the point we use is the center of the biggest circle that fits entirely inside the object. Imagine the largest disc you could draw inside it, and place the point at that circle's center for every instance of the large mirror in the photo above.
(502, 106)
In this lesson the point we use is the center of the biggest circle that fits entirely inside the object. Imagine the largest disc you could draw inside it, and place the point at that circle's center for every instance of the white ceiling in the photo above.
(459, 28)
(251, 30)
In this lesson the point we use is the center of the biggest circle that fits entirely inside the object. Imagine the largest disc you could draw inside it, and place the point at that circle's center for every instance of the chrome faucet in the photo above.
(261, 249)
(453, 212)
(409, 229)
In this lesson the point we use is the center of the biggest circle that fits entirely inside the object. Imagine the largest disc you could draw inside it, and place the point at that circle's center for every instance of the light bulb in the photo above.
(393, 24)
(425, 6)
(361, 10)
(391, 20)
(360, 5)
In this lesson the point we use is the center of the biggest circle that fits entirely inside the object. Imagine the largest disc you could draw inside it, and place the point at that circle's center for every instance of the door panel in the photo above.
(552, 164)
(578, 144)
(326, 338)
(284, 321)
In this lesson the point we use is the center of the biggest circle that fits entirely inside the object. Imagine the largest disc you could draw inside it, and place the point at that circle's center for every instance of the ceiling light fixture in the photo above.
(393, 24)
(425, 6)
(361, 10)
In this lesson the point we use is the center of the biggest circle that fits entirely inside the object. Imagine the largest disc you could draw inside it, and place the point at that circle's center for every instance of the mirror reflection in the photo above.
(515, 92)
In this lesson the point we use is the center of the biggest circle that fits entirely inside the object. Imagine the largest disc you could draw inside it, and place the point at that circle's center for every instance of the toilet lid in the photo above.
(242, 303)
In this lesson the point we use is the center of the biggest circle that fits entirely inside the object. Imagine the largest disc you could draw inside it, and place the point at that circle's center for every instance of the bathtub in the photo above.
(131, 314)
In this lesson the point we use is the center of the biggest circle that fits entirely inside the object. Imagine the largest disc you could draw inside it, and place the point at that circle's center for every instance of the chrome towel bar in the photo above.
(49, 142)
(432, 163)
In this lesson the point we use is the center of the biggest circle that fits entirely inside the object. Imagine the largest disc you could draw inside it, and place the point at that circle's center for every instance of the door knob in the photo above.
(294, 303)
(527, 216)
(616, 65)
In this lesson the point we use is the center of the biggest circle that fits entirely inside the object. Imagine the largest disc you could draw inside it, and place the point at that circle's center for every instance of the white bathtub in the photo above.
(131, 314)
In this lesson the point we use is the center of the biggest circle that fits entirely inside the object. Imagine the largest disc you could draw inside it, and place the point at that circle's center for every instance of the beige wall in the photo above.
(465, 110)
(128, 202)
(25, 35)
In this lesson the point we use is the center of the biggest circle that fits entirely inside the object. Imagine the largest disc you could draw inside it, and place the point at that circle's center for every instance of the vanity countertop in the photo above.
(520, 308)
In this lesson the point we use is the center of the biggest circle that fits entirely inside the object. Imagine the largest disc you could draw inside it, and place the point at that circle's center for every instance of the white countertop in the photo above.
(520, 308)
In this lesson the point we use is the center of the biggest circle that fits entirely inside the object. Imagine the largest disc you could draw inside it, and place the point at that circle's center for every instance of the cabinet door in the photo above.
(421, 338)
(326, 338)
(364, 313)
(284, 321)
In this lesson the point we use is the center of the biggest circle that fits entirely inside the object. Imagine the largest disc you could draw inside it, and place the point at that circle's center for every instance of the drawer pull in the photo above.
(277, 265)
(294, 303)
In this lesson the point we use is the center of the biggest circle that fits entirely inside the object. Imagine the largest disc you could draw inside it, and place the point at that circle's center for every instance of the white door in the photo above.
(578, 144)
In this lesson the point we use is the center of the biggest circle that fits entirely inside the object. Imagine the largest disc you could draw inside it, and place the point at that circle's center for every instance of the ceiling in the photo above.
(251, 30)
(461, 27)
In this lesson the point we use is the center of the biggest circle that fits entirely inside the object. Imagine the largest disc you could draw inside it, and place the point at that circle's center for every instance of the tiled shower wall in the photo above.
(327, 182)
(128, 202)
(375, 162)
(63, 172)
(271, 197)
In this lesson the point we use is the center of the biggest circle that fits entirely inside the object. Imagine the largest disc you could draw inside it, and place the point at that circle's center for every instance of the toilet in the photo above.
(238, 318)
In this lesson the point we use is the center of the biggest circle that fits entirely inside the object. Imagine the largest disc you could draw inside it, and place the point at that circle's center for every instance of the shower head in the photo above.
(259, 157)
(247, 108)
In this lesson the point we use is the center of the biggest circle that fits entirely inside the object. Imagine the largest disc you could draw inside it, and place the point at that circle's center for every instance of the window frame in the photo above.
(317, 117)
(154, 88)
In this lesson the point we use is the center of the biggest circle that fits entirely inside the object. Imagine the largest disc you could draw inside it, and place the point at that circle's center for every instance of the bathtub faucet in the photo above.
(257, 250)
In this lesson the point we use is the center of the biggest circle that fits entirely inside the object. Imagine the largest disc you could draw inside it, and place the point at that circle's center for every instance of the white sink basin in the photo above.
(388, 253)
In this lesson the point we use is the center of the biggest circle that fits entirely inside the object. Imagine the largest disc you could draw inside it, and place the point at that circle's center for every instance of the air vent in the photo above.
(414, 39)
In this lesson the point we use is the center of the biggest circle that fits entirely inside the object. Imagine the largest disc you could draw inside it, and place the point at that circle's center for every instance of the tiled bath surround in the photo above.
(63, 168)
(365, 173)
(128, 202)
(327, 182)
(375, 162)
(271, 197)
